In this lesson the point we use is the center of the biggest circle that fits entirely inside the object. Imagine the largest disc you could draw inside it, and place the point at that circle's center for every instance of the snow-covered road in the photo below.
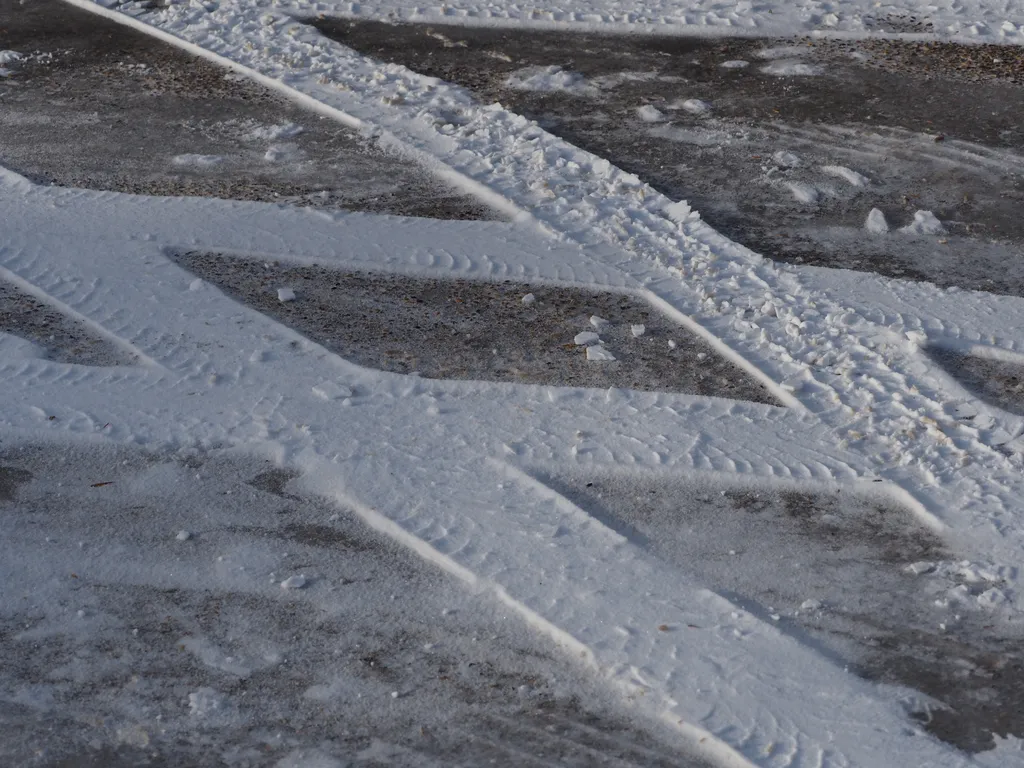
(449, 468)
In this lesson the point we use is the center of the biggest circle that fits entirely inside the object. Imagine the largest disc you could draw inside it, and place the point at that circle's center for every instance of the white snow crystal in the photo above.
(183, 536)
(197, 161)
(695, 106)
(599, 323)
(790, 68)
(785, 159)
(876, 223)
(294, 582)
(587, 338)
(637, 330)
(285, 294)
(599, 354)
(925, 223)
(529, 299)
(855, 179)
(735, 64)
(803, 193)
(331, 390)
(650, 114)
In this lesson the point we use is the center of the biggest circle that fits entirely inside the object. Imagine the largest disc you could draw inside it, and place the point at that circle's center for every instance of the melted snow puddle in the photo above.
(461, 329)
(199, 609)
(857, 578)
(30, 328)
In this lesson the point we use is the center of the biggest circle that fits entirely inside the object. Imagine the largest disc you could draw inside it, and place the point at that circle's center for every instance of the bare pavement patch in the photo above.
(166, 611)
(849, 575)
(462, 329)
(50, 333)
(90, 103)
(783, 145)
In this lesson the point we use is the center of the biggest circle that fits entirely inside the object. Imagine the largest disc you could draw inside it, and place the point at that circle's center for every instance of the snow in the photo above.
(855, 179)
(802, 192)
(332, 390)
(551, 79)
(695, 106)
(863, 403)
(274, 132)
(197, 161)
(791, 68)
(637, 330)
(876, 223)
(786, 159)
(9, 57)
(650, 114)
(735, 64)
(924, 223)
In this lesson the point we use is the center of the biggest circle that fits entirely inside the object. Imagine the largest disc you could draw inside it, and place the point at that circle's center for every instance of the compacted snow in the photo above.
(455, 470)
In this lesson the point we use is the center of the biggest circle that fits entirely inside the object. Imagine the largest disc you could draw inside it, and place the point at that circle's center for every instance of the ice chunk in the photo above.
(196, 285)
(587, 338)
(599, 354)
(876, 223)
(529, 299)
(803, 193)
(650, 114)
(810, 605)
(680, 212)
(637, 330)
(294, 582)
(550, 79)
(735, 64)
(599, 323)
(924, 223)
(183, 536)
(696, 106)
(285, 294)
(331, 390)
(785, 159)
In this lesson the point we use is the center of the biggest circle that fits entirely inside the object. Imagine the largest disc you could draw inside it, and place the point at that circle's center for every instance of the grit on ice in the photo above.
(295, 516)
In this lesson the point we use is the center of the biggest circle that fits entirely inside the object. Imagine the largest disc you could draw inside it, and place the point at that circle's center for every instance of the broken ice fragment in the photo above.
(599, 323)
(586, 338)
(637, 330)
(183, 536)
(294, 582)
(529, 299)
(285, 294)
(599, 354)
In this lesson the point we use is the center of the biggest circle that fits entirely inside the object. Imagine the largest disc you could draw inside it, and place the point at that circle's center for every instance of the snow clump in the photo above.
(650, 114)
(598, 354)
(925, 223)
(876, 223)
(551, 79)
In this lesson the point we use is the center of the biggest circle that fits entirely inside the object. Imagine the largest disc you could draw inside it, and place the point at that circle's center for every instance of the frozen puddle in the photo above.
(460, 329)
(995, 382)
(783, 145)
(164, 611)
(854, 577)
(100, 106)
(35, 329)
